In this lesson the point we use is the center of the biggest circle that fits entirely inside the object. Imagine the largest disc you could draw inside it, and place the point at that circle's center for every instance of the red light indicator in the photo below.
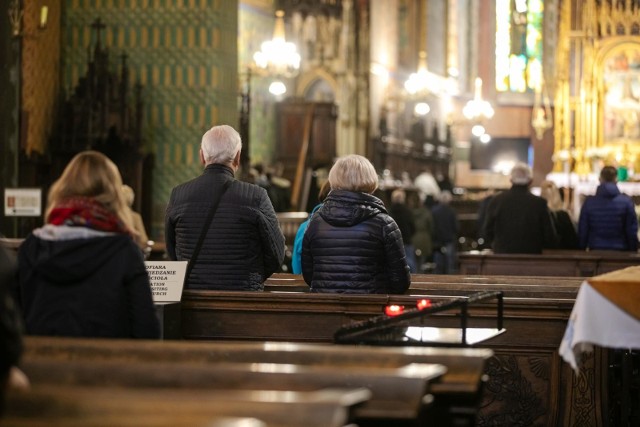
(423, 303)
(393, 310)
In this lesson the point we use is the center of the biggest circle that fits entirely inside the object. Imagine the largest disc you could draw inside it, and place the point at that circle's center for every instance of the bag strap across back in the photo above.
(205, 227)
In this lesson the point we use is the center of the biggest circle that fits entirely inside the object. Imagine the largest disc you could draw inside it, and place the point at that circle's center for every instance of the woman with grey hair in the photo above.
(352, 245)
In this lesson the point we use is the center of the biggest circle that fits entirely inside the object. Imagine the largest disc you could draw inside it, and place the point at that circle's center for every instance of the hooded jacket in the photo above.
(244, 244)
(74, 281)
(608, 220)
(352, 245)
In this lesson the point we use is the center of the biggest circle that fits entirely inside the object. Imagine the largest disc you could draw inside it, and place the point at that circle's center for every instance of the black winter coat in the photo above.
(353, 246)
(244, 244)
(94, 286)
(519, 222)
(10, 324)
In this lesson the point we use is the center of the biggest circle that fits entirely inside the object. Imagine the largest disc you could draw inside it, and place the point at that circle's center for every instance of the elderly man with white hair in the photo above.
(227, 229)
(518, 221)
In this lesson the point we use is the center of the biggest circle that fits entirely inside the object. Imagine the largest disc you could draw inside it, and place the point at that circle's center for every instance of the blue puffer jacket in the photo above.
(608, 221)
(353, 246)
(296, 253)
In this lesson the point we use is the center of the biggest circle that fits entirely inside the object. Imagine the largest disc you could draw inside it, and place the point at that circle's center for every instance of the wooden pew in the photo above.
(11, 244)
(108, 406)
(397, 393)
(289, 223)
(456, 393)
(525, 363)
(456, 285)
(549, 263)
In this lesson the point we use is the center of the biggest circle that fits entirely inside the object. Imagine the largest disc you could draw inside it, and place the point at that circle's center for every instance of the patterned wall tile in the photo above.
(184, 52)
(256, 22)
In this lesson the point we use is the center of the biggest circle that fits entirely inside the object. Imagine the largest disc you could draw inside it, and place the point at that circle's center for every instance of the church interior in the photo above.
(460, 89)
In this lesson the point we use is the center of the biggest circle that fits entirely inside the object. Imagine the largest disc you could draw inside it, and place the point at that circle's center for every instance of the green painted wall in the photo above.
(256, 21)
(185, 54)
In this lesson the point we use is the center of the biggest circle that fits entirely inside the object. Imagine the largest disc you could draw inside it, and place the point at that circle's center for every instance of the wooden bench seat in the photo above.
(396, 393)
(79, 405)
(457, 393)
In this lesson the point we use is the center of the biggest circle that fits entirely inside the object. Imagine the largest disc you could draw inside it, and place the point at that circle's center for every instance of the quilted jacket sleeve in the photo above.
(396, 260)
(307, 259)
(271, 236)
(169, 231)
(631, 227)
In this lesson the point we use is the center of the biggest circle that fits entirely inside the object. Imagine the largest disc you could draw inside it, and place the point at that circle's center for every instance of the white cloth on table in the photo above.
(597, 321)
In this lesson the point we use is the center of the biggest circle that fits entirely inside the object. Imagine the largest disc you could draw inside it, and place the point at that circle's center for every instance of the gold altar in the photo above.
(597, 86)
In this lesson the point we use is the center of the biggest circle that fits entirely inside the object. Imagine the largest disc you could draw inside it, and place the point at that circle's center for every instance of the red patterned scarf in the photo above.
(85, 212)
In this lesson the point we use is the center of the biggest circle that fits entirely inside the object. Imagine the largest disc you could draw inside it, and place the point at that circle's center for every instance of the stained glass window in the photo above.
(518, 44)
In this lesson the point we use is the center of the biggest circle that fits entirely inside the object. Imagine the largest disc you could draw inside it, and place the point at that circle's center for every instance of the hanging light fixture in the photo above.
(541, 119)
(477, 109)
(16, 13)
(422, 81)
(15, 18)
(277, 56)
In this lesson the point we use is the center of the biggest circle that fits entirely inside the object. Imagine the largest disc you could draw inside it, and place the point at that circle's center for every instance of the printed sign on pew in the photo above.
(167, 279)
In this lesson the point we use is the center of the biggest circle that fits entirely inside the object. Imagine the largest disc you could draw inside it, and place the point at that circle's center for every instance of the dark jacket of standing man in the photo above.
(608, 219)
(518, 221)
(243, 245)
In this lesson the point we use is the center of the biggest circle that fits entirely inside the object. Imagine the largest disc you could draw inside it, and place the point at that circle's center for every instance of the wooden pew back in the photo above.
(550, 263)
(457, 285)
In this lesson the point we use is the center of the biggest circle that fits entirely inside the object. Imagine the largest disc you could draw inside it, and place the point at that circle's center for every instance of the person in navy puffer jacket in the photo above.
(352, 245)
(608, 220)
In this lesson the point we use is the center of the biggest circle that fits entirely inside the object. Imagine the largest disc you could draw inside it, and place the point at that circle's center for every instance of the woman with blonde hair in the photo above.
(352, 245)
(82, 274)
(141, 236)
(565, 228)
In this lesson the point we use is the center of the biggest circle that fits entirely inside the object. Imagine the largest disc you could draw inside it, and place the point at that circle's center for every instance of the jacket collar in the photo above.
(218, 169)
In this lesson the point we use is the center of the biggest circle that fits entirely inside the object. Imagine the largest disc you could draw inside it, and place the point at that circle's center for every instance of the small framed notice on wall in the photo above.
(23, 201)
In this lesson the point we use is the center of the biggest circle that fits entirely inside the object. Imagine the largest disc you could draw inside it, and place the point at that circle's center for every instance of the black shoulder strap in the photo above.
(205, 227)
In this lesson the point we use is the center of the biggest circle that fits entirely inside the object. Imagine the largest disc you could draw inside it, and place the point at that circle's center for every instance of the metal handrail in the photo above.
(385, 322)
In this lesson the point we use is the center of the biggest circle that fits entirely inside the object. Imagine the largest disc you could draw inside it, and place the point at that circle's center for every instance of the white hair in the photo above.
(521, 174)
(220, 145)
(444, 197)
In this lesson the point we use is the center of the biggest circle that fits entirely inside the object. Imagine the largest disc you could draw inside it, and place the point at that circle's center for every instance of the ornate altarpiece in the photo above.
(597, 101)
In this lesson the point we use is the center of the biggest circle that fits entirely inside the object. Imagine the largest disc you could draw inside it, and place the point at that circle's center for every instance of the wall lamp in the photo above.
(16, 13)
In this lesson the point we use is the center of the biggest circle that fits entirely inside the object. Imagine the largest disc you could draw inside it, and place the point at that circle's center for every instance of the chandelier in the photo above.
(278, 57)
(478, 109)
(420, 84)
(422, 80)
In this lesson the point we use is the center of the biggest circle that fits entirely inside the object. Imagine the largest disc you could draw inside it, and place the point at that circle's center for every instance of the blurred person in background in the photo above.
(565, 228)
